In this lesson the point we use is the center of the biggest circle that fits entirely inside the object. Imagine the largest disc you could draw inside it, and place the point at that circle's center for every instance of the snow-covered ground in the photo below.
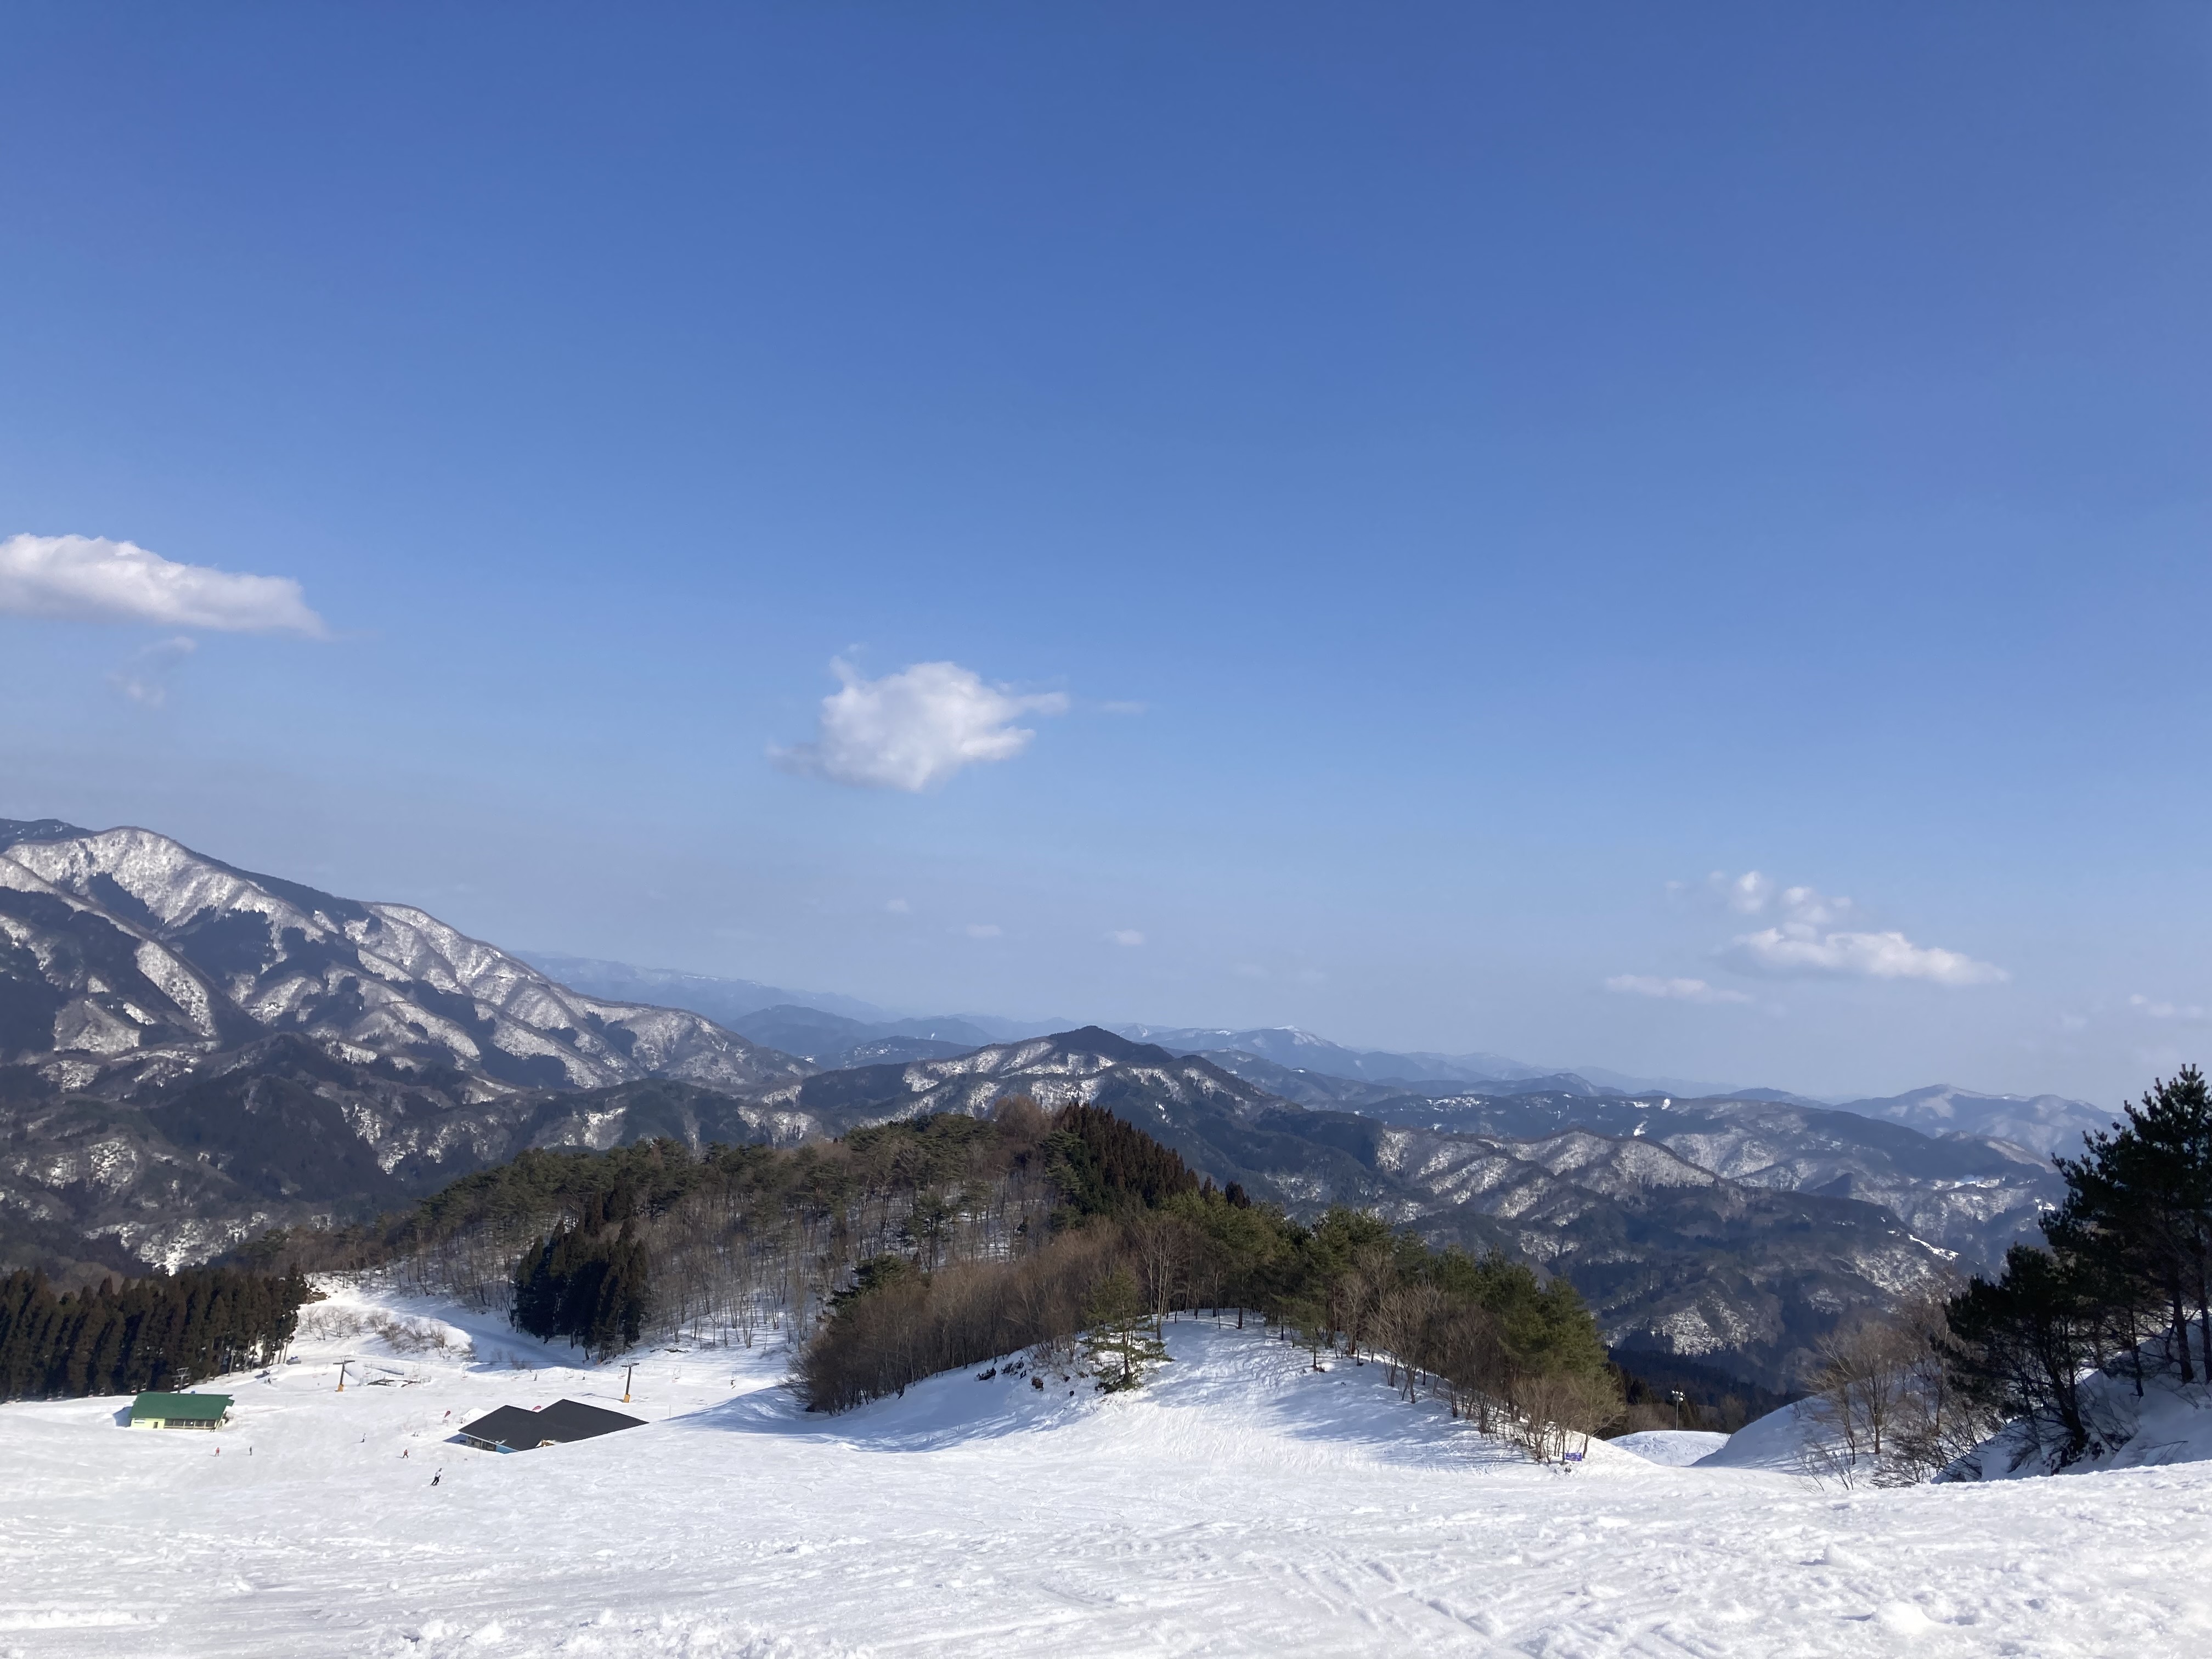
(1238, 1504)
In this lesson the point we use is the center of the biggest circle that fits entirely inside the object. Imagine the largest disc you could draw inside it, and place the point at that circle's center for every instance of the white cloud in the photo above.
(984, 930)
(1746, 894)
(898, 907)
(1805, 938)
(1799, 948)
(1676, 990)
(913, 730)
(88, 579)
(145, 679)
(1124, 936)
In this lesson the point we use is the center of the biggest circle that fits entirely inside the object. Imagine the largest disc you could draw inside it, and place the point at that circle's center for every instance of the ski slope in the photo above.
(1239, 1503)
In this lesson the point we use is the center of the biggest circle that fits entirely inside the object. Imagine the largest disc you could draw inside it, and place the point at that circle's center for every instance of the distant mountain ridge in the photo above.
(1289, 1061)
(835, 1024)
(2044, 1123)
(725, 1001)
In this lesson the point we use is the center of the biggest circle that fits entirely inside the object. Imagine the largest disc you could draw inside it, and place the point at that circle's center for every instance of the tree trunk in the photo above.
(2181, 1329)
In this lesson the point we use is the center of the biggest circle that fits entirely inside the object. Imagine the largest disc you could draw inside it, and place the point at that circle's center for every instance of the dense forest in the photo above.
(163, 1332)
(917, 1246)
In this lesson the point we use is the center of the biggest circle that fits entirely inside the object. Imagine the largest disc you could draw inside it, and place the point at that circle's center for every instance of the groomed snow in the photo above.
(1239, 1503)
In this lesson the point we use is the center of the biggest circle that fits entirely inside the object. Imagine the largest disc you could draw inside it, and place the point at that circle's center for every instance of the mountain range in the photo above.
(1295, 1064)
(190, 1053)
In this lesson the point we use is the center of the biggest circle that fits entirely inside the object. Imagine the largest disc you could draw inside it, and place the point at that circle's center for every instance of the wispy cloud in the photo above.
(89, 579)
(1124, 936)
(915, 729)
(984, 930)
(145, 679)
(1673, 990)
(898, 907)
(2150, 1008)
(1805, 938)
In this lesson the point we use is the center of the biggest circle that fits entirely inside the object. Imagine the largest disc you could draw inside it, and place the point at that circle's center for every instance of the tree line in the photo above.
(163, 1332)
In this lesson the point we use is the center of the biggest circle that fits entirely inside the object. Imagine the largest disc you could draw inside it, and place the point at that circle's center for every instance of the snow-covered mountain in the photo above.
(1138, 1081)
(1301, 1050)
(1968, 1195)
(2044, 1123)
(126, 958)
(190, 1052)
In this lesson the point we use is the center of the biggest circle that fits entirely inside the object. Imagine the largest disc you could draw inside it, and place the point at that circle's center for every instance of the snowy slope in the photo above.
(1776, 1442)
(1239, 1503)
(2170, 1422)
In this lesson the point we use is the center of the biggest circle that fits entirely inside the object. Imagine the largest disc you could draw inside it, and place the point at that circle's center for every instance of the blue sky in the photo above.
(1438, 486)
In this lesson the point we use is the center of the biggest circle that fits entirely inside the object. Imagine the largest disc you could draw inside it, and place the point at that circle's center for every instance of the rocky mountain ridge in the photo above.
(125, 957)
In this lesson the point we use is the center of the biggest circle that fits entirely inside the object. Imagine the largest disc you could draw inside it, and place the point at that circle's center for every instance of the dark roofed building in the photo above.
(512, 1429)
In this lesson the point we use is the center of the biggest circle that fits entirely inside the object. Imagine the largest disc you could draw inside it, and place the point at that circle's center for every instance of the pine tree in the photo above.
(1121, 1342)
(2139, 1206)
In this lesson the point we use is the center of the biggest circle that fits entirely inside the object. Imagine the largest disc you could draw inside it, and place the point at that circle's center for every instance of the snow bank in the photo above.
(1777, 1441)
(2170, 1422)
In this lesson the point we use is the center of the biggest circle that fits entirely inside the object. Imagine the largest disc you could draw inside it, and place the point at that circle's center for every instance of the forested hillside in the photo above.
(948, 1240)
(159, 1333)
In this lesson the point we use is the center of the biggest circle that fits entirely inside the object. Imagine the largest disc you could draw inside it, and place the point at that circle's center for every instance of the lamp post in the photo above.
(343, 1364)
(627, 1369)
(1678, 1408)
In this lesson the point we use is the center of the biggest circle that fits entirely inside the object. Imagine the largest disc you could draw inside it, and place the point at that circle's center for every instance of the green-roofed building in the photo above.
(180, 1411)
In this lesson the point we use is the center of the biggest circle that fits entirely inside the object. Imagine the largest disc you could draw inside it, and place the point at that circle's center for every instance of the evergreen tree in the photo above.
(162, 1332)
(596, 1291)
(1121, 1343)
(2024, 1341)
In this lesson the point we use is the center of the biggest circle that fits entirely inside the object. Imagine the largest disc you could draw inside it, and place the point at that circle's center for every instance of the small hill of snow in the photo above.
(1677, 1449)
(1776, 1441)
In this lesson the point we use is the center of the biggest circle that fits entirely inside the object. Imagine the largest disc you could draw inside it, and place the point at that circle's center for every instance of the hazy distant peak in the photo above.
(2046, 1123)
